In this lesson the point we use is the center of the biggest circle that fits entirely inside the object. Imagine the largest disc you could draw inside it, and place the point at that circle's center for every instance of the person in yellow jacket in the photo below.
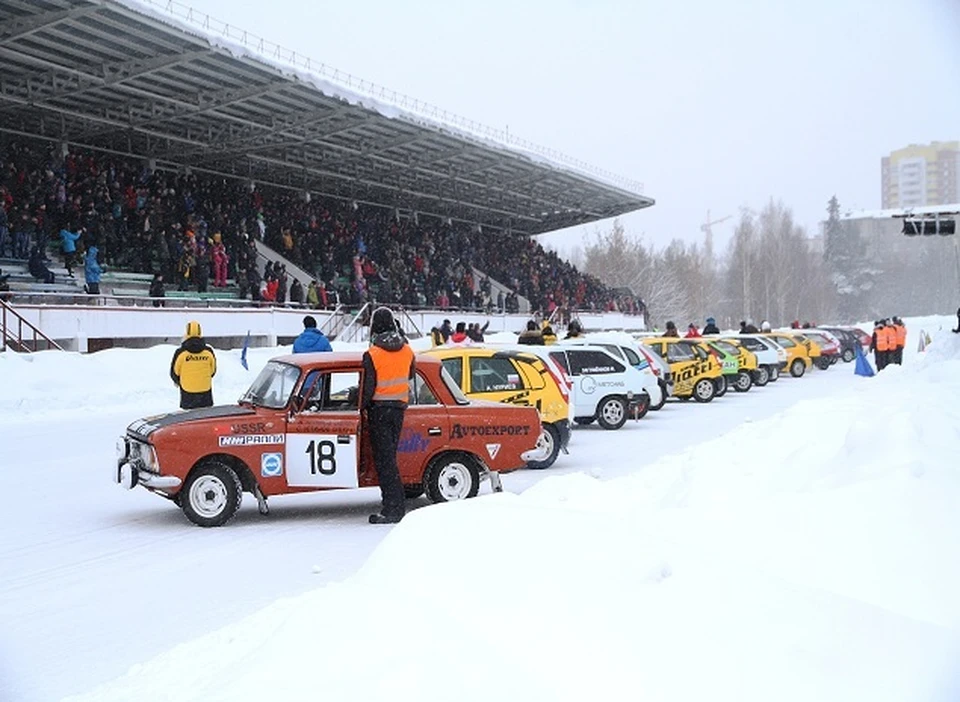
(388, 366)
(192, 369)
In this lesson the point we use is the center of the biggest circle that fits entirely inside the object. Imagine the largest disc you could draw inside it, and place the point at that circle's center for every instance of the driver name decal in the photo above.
(461, 431)
(251, 440)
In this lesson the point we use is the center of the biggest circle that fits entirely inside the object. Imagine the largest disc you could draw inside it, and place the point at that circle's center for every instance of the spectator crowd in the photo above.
(197, 231)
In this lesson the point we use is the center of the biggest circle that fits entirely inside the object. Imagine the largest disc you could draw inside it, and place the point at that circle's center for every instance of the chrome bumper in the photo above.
(129, 476)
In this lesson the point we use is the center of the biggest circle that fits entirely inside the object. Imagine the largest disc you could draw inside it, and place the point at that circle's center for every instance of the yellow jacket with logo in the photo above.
(194, 365)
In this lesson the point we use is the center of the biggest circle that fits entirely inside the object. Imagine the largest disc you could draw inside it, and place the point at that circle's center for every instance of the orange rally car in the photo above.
(299, 429)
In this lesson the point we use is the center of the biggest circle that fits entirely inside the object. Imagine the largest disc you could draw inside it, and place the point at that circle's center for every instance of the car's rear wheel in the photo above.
(743, 382)
(704, 390)
(774, 373)
(761, 376)
(797, 368)
(612, 413)
(452, 477)
(823, 363)
(549, 441)
(663, 399)
(211, 495)
(848, 355)
(641, 407)
(412, 492)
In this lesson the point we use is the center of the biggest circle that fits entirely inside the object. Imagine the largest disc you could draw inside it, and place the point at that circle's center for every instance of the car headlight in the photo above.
(145, 455)
(121, 448)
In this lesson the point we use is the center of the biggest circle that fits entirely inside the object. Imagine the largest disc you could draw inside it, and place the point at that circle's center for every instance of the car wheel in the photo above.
(641, 407)
(720, 386)
(584, 420)
(612, 413)
(211, 495)
(412, 492)
(743, 382)
(549, 439)
(774, 373)
(452, 477)
(704, 390)
(797, 368)
(848, 355)
(761, 376)
(823, 363)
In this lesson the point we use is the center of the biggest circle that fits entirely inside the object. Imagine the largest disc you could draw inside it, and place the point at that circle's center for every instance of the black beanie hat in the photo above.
(382, 321)
(309, 322)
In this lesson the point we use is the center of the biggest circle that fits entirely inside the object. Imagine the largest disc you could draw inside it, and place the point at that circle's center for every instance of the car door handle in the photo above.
(434, 431)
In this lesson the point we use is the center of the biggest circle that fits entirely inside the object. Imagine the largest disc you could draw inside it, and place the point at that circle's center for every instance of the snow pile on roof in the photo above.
(810, 556)
(356, 91)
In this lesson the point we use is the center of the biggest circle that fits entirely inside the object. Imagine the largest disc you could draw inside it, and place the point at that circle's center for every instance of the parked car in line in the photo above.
(623, 347)
(661, 369)
(736, 361)
(515, 377)
(695, 370)
(798, 355)
(770, 356)
(830, 347)
(299, 428)
(848, 342)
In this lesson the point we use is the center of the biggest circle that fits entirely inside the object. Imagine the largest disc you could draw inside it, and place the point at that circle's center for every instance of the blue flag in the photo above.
(863, 366)
(243, 354)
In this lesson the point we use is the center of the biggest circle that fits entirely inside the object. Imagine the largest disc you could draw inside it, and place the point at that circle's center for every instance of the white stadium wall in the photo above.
(90, 328)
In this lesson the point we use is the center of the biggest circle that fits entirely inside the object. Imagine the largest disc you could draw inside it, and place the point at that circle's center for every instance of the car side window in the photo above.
(753, 344)
(454, 367)
(677, 353)
(420, 392)
(633, 358)
(337, 391)
(560, 358)
(785, 342)
(493, 375)
(588, 362)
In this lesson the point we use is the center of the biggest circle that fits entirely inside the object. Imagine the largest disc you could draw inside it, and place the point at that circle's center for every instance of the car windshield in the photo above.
(273, 386)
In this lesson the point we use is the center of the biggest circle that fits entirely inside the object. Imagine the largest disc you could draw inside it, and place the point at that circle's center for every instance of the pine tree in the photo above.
(851, 273)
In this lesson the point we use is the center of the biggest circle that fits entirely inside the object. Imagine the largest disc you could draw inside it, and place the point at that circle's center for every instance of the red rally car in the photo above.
(299, 429)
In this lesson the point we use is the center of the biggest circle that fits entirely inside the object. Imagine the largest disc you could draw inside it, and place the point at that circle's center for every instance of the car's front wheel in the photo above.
(211, 495)
(452, 477)
(720, 386)
(612, 413)
(848, 355)
(704, 390)
(743, 382)
(823, 363)
(549, 443)
(761, 376)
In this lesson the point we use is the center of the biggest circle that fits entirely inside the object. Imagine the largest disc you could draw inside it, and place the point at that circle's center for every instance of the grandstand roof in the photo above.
(162, 82)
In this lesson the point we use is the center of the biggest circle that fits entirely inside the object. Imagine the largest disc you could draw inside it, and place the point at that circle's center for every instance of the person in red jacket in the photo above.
(692, 332)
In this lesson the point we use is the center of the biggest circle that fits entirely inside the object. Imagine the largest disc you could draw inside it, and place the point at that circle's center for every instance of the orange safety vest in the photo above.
(886, 339)
(393, 373)
(901, 335)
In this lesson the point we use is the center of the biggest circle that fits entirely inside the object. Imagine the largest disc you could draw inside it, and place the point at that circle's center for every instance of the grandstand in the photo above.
(131, 80)
(205, 103)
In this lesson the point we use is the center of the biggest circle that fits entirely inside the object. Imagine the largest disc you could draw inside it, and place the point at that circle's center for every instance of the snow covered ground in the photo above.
(794, 543)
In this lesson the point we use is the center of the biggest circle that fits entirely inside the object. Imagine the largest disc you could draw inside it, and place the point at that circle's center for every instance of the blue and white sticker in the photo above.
(271, 465)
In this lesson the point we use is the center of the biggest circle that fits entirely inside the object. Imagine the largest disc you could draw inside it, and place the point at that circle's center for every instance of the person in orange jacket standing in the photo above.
(901, 338)
(878, 344)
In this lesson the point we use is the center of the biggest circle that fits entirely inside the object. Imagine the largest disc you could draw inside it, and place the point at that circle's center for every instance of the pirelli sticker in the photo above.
(251, 439)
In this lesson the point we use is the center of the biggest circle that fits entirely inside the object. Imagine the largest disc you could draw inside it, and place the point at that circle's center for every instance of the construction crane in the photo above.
(706, 229)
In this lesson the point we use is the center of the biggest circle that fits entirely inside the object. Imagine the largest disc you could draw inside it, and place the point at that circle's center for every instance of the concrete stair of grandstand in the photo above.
(21, 280)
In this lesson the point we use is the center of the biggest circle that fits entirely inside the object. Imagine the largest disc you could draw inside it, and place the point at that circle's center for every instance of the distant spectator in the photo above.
(459, 336)
(38, 269)
(672, 330)
(692, 332)
(764, 326)
(436, 337)
(313, 299)
(711, 326)
(296, 292)
(475, 332)
(157, 291)
(750, 328)
(531, 336)
(574, 329)
(446, 330)
(69, 240)
(549, 336)
(311, 339)
(92, 271)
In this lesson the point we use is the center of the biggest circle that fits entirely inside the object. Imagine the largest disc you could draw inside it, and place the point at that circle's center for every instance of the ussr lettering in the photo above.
(461, 431)
(252, 428)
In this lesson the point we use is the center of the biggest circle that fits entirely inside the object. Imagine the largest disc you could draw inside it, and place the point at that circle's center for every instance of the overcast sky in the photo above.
(712, 105)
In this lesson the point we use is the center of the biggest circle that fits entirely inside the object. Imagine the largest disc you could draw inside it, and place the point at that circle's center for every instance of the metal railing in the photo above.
(434, 115)
(18, 342)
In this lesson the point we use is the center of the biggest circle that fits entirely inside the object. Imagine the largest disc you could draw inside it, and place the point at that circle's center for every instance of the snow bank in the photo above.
(810, 556)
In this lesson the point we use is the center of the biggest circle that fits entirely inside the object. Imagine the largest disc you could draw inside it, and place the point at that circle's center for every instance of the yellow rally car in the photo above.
(798, 356)
(516, 378)
(695, 370)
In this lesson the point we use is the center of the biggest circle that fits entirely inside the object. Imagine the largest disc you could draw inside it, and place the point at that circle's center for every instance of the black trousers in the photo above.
(195, 400)
(881, 358)
(385, 423)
